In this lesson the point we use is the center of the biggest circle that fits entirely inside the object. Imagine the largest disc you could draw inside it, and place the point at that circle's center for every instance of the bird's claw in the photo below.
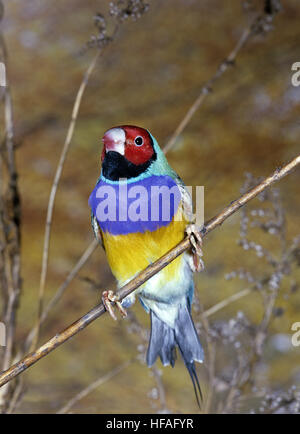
(108, 298)
(194, 234)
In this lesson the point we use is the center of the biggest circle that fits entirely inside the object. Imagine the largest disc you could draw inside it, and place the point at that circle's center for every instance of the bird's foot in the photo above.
(109, 298)
(194, 234)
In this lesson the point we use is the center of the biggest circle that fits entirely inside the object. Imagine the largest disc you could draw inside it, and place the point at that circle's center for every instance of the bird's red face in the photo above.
(127, 152)
(134, 143)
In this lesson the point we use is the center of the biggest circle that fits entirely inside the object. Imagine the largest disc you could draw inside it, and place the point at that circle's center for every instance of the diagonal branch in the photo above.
(91, 387)
(144, 275)
(258, 25)
(55, 184)
(59, 293)
(212, 310)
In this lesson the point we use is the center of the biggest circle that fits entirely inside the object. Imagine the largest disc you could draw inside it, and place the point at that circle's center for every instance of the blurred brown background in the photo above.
(148, 76)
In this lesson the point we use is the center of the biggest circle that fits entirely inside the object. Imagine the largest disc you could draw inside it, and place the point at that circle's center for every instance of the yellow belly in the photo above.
(131, 253)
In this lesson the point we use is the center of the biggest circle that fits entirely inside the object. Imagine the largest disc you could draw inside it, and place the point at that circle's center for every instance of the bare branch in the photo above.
(54, 188)
(91, 387)
(255, 27)
(227, 301)
(10, 223)
(59, 293)
(144, 275)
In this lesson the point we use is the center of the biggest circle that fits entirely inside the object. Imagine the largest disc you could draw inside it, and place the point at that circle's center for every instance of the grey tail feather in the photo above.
(164, 339)
(162, 342)
(194, 377)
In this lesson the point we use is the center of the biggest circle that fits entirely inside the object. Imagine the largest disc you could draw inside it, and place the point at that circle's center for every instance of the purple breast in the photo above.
(144, 205)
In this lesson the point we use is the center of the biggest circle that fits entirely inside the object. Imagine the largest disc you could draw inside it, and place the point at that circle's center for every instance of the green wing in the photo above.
(96, 229)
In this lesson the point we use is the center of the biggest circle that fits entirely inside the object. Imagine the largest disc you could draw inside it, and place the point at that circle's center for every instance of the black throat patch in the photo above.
(116, 166)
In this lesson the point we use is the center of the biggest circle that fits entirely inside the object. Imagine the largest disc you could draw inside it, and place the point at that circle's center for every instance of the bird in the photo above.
(135, 220)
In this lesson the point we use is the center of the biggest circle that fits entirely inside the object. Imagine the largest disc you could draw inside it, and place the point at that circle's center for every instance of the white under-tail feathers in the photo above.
(164, 339)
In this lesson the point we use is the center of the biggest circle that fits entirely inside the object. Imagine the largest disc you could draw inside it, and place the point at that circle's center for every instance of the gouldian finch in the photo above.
(140, 210)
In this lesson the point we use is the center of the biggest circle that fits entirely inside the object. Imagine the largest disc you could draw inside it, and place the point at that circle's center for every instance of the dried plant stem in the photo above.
(160, 388)
(226, 302)
(59, 293)
(207, 87)
(56, 180)
(144, 275)
(54, 187)
(16, 396)
(244, 378)
(10, 223)
(211, 356)
(91, 387)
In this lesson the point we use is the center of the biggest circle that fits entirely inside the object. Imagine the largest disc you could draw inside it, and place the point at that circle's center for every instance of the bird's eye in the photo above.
(138, 141)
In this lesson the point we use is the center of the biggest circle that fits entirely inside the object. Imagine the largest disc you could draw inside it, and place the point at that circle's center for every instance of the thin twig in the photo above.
(16, 396)
(56, 180)
(54, 187)
(91, 387)
(208, 86)
(10, 215)
(211, 356)
(160, 389)
(227, 301)
(144, 275)
(59, 293)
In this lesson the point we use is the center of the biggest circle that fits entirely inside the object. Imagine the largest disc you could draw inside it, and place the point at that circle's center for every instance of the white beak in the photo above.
(114, 140)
